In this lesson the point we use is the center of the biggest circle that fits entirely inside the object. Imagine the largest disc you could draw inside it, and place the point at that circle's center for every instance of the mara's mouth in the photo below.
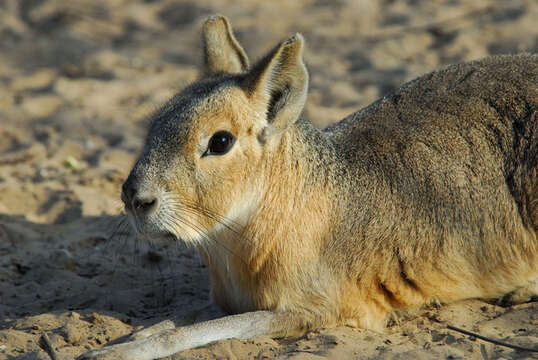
(160, 227)
(145, 227)
(167, 216)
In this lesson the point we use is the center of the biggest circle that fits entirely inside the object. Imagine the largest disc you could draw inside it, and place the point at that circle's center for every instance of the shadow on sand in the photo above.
(95, 265)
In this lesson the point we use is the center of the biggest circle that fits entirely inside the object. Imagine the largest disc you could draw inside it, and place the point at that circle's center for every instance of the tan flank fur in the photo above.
(428, 195)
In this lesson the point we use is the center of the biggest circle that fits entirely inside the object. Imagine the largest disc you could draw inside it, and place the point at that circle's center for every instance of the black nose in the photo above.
(141, 204)
(144, 205)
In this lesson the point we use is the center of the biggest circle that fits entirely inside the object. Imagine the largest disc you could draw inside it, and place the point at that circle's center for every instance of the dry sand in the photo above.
(77, 81)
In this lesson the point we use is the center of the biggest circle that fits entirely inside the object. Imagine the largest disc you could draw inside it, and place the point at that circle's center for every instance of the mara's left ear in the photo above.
(222, 52)
(278, 84)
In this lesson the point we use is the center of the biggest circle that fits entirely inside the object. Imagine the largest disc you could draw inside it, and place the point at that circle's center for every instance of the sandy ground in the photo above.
(77, 82)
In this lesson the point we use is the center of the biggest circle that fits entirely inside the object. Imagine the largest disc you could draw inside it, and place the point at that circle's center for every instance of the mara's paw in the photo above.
(519, 296)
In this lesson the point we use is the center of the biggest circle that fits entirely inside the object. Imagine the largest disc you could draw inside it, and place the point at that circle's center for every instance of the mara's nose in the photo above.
(141, 204)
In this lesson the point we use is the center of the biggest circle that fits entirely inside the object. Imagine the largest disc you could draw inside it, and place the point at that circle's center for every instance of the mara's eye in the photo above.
(220, 143)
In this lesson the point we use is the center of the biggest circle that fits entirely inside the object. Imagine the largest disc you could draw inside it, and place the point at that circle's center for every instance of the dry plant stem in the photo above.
(493, 341)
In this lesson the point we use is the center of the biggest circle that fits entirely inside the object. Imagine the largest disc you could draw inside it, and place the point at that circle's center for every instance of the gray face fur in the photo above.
(172, 187)
(165, 159)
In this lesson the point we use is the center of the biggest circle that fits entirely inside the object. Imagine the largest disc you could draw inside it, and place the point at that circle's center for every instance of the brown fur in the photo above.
(429, 194)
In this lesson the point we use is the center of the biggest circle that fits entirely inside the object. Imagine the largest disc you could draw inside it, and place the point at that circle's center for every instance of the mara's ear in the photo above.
(279, 83)
(222, 52)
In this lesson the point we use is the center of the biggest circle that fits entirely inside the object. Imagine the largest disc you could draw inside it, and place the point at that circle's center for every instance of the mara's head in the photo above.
(204, 158)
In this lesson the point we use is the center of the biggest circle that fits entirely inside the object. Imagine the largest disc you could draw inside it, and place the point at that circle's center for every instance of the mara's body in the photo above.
(441, 181)
(429, 194)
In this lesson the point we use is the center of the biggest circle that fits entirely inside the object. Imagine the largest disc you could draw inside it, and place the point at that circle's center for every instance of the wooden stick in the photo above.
(494, 341)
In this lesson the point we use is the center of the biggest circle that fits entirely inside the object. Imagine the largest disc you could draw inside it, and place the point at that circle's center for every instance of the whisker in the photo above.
(206, 236)
(156, 283)
(223, 220)
(119, 225)
(196, 206)
(191, 243)
(123, 235)
(120, 229)
(190, 207)
(171, 264)
(198, 210)
(136, 254)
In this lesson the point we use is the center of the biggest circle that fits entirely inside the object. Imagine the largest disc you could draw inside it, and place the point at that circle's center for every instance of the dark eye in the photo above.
(220, 143)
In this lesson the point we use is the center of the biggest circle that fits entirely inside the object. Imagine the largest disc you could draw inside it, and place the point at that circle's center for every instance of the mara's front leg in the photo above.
(172, 340)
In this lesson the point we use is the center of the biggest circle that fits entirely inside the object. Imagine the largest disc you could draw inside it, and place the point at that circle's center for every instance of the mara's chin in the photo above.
(152, 234)
(155, 229)
(146, 229)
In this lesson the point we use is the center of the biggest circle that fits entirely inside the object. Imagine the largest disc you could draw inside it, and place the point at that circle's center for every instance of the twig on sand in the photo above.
(494, 341)
(46, 345)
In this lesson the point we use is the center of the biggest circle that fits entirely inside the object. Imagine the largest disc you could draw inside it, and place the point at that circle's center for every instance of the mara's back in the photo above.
(448, 165)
